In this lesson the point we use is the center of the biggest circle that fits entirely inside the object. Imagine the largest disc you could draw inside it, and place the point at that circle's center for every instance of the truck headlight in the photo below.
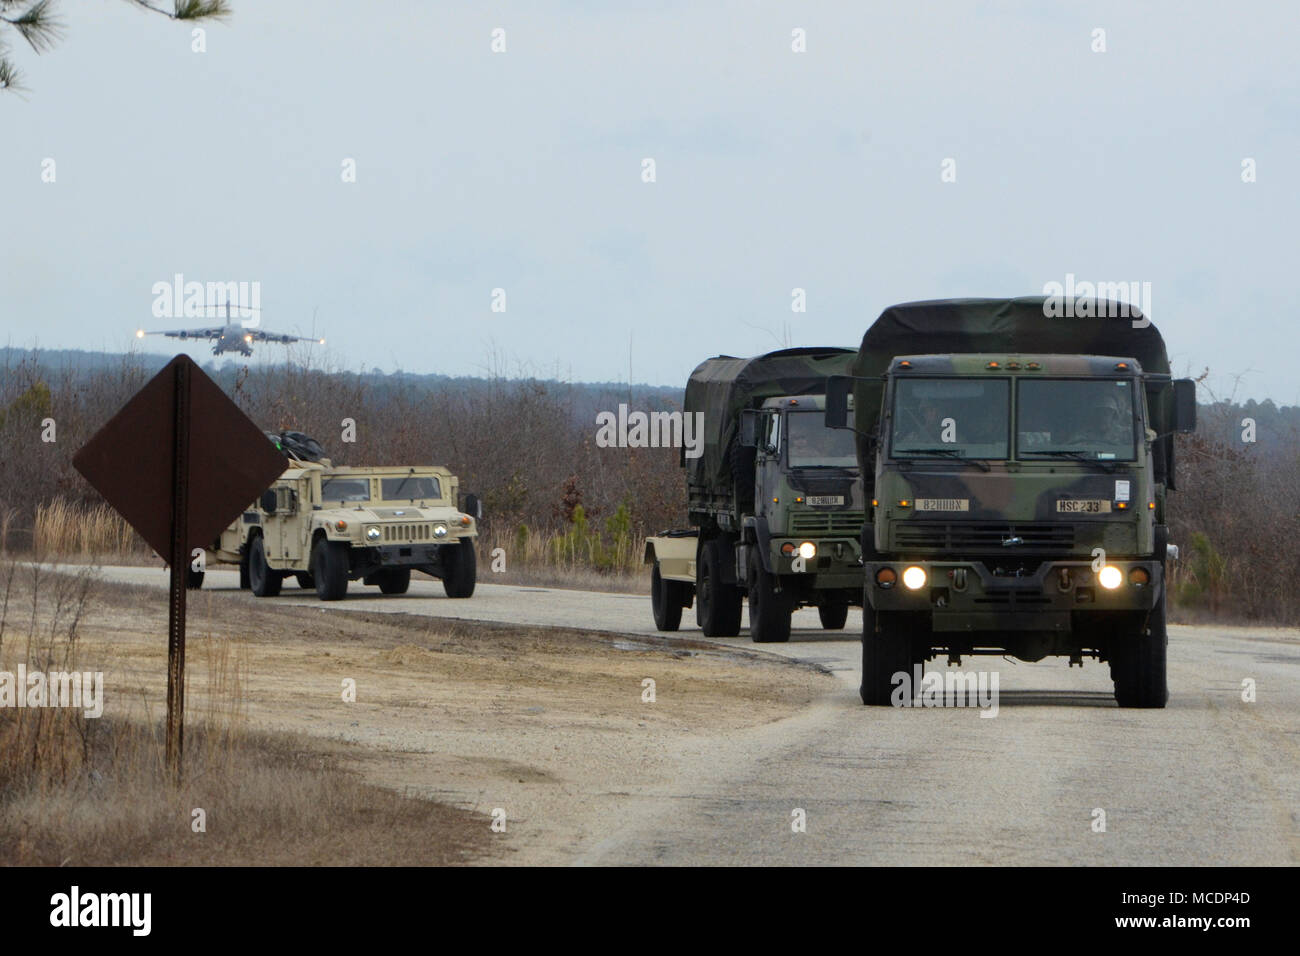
(914, 578)
(440, 531)
(372, 534)
(1110, 577)
(807, 550)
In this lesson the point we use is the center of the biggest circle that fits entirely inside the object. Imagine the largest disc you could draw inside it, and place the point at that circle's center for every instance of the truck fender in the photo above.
(762, 541)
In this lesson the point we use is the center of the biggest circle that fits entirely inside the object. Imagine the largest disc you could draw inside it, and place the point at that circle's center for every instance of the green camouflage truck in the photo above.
(1016, 467)
(773, 499)
(325, 525)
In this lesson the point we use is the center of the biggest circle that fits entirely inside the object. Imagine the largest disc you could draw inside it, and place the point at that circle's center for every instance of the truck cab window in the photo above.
(1090, 418)
(811, 444)
(952, 417)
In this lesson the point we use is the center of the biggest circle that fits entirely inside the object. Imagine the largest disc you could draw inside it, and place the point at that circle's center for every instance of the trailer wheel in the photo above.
(665, 601)
(769, 609)
(264, 580)
(886, 652)
(1139, 662)
(329, 569)
(394, 580)
(459, 569)
(193, 579)
(718, 604)
(833, 615)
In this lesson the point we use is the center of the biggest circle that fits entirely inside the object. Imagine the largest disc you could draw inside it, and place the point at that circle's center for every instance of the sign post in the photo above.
(179, 462)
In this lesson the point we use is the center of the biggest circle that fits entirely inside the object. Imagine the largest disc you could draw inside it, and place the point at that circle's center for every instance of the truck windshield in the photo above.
(410, 488)
(951, 418)
(1088, 419)
(812, 445)
(345, 489)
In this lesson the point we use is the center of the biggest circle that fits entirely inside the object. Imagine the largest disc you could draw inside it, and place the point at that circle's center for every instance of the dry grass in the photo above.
(71, 530)
(79, 790)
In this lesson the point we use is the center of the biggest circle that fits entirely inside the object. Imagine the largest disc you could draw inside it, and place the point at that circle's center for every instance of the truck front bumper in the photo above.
(837, 563)
(967, 596)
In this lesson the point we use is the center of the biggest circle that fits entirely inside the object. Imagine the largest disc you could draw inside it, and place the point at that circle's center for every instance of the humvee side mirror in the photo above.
(268, 501)
(1184, 406)
(474, 507)
(749, 428)
(838, 388)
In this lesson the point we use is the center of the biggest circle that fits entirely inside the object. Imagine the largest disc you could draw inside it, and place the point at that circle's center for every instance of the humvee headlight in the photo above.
(440, 531)
(372, 534)
(807, 550)
(914, 578)
(1110, 577)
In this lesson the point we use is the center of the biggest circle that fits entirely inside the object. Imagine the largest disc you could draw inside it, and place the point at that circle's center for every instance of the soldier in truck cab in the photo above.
(1103, 421)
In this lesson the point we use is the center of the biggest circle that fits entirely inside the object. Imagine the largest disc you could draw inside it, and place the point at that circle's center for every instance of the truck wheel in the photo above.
(262, 578)
(885, 653)
(305, 580)
(193, 579)
(1138, 663)
(769, 610)
(718, 607)
(394, 580)
(833, 615)
(329, 569)
(665, 601)
(459, 569)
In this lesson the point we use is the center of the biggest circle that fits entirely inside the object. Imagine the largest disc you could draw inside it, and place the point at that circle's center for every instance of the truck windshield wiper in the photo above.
(946, 452)
(1075, 453)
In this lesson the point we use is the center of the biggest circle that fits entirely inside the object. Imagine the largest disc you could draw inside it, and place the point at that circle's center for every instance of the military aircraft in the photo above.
(232, 337)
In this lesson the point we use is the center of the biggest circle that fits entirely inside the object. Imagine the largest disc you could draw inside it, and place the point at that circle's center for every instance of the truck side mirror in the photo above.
(474, 507)
(1184, 406)
(749, 428)
(268, 501)
(838, 388)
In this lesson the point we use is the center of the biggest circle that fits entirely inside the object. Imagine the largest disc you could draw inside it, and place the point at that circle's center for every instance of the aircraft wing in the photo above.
(261, 335)
(209, 333)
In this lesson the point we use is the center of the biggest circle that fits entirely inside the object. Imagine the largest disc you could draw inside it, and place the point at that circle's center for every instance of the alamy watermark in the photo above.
(946, 689)
(626, 429)
(180, 299)
(73, 689)
(1071, 299)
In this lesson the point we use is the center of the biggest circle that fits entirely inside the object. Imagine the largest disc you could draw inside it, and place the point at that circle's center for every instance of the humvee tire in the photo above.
(243, 569)
(665, 601)
(834, 615)
(718, 605)
(394, 580)
(264, 580)
(305, 580)
(460, 569)
(769, 609)
(1138, 663)
(329, 569)
(193, 579)
(884, 653)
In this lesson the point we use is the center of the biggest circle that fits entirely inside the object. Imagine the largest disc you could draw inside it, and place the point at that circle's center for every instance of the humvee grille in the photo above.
(407, 532)
(985, 537)
(826, 522)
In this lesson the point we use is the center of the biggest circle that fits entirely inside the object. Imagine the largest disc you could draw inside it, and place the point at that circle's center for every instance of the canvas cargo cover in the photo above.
(944, 326)
(720, 387)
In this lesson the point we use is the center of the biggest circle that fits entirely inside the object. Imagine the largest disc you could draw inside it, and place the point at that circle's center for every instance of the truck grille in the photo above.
(984, 538)
(407, 532)
(826, 522)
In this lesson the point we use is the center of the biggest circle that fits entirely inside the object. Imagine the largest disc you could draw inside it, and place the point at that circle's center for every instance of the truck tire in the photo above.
(460, 569)
(329, 569)
(885, 653)
(262, 578)
(1138, 663)
(718, 604)
(833, 615)
(665, 601)
(394, 580)
(769, 609)
(193, 579)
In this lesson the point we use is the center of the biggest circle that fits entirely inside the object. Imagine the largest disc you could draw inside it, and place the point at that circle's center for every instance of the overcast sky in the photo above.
(775, 170)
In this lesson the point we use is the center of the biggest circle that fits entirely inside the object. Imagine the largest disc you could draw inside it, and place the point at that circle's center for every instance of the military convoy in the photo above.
(773, 499)
(326, 525)
(1017, 467)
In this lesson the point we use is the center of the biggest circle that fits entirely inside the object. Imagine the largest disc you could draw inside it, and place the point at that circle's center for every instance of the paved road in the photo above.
(1209, 780)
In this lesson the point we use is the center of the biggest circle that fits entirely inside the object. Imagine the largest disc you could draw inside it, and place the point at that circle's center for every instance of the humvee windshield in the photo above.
(410, 488)
(812, 445)
(1090, 418)
(345, 489)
